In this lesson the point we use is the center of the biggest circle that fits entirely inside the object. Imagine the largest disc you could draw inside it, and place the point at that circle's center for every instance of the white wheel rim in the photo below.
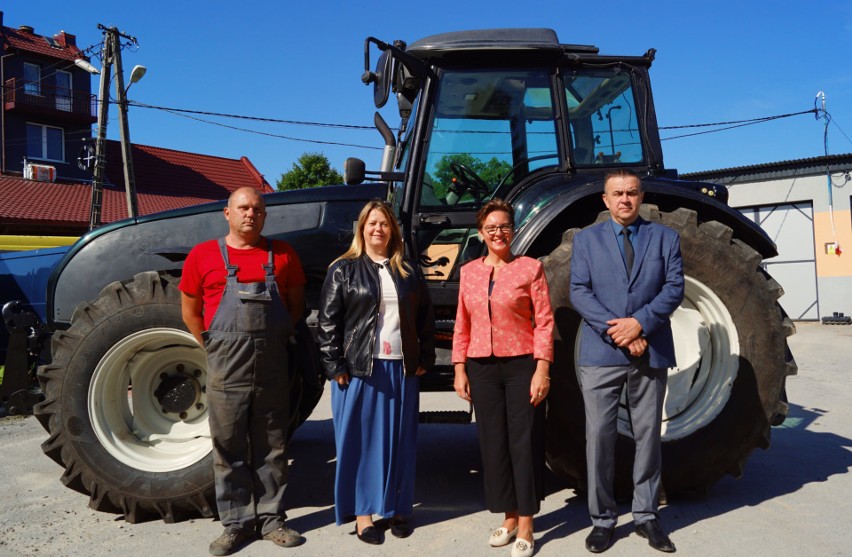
(707, 349)
(127, 417)
(707, 352)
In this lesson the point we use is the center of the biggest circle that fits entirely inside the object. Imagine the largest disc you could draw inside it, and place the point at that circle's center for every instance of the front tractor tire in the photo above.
(126, 408)
(731, 347)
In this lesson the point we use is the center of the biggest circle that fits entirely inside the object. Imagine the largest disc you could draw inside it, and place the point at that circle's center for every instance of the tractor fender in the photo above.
(544, 217)
(316, 222)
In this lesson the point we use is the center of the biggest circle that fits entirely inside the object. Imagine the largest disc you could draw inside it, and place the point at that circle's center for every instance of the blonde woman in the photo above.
(376, 335)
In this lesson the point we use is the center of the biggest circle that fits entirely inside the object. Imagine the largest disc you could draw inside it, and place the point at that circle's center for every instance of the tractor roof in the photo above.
(530, 39)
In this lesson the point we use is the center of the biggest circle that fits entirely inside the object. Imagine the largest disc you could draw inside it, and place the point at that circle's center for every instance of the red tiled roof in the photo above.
(165, 179)
(30, 42)
(169, 173)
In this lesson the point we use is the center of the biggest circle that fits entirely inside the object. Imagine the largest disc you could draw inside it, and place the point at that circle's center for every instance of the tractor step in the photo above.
(837, 318)
(446, 417)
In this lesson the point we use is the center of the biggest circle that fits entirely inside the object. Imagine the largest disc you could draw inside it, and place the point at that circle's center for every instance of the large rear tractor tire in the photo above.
(126, 407)
(731, 347)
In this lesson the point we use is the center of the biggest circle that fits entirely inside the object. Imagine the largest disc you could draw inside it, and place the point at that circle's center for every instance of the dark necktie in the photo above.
(628, 250)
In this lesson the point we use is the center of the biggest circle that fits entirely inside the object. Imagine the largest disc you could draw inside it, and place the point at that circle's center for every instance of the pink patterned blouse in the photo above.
(520, 320)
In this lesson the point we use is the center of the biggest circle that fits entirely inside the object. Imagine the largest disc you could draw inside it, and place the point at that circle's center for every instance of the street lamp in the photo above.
(136, 74)
(129, 176)
(83, 63)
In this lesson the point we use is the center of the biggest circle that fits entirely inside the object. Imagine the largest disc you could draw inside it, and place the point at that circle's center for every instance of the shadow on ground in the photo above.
(449, 483)
(797, 457)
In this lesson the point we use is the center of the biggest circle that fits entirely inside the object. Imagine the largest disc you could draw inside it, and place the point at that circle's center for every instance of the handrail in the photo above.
(33, 93)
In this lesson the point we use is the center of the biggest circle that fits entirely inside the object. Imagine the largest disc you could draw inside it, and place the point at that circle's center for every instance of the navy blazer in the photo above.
(600, 291)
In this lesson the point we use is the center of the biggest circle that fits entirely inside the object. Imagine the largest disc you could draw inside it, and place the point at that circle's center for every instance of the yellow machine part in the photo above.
(24, 243)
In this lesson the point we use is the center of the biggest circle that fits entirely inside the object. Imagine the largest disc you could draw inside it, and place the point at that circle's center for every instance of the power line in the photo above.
(279, 136)
(178, 111)
(736, 124)
(833, 121)
(185, 112)
(748, 121)
(57, 67)
(253, 118)
(66, 135)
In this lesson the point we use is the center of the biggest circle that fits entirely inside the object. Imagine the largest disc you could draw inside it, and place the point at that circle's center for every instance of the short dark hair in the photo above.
(491, 206)
(622, 173)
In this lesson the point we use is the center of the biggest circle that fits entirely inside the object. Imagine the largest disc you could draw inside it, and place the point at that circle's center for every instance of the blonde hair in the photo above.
(395, 248)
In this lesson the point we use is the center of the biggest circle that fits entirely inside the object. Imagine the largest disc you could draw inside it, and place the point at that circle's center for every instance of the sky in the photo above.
(716, 61)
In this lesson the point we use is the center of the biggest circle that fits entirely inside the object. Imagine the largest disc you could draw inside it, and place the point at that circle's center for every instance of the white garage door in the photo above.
(791, 227)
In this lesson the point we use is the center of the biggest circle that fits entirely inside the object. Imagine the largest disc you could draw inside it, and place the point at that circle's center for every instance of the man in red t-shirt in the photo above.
(241, 297)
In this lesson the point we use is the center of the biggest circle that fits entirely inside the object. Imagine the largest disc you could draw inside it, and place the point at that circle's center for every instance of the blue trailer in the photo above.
(23, 297)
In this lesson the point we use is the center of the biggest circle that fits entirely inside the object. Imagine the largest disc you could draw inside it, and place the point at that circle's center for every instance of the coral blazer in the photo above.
(519, 320)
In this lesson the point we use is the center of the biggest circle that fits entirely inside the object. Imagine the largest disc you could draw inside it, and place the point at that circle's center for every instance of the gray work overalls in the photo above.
(248, 397)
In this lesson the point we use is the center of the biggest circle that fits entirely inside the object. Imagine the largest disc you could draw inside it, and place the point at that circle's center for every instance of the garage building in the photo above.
(804, 206)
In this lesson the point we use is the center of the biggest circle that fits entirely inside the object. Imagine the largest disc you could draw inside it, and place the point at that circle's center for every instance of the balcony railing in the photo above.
(34, 96)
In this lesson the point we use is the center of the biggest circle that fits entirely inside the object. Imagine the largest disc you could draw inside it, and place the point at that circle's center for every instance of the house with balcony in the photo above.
(46, 119)
(48, 105)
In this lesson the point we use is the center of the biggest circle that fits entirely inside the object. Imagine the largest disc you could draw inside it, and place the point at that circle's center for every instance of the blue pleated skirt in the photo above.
(375, 432)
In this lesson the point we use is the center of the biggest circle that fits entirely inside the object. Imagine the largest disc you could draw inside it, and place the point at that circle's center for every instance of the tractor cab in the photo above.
(488, 114)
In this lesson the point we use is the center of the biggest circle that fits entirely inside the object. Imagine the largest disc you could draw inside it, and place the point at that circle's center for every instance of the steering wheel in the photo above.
(521, 162)
(468, 180)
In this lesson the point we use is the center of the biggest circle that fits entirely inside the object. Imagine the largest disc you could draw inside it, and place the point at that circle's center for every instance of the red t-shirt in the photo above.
(204, 271)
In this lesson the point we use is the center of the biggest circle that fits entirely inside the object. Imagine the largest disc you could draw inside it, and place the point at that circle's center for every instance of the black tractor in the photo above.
(508, 113)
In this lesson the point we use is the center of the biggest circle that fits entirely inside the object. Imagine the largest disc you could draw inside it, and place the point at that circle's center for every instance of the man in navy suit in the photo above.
(626, 280)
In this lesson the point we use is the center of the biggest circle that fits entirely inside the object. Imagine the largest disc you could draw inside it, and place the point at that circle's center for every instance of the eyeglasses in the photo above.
(492, 230)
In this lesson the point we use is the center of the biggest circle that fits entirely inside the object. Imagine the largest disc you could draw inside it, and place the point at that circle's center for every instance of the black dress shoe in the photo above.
(599, 539)
(656, 537)
(399, 527)
(370, 535)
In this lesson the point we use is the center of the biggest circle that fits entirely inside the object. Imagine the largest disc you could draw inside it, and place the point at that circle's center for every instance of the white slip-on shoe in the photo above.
(522, 548)
(501, 536)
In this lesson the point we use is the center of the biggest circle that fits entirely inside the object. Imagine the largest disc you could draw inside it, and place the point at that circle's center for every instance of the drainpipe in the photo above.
(3, 114)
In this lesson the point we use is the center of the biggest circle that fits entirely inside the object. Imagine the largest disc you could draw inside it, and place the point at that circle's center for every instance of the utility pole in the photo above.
(111, 55)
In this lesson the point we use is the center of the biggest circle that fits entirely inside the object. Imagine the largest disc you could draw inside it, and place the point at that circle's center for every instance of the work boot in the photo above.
(284, 536)
(230, 541)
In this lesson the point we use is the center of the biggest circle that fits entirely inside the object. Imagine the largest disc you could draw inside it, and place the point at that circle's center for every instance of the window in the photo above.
(64, 92)
(32, 79)
(45, 142)
(403, 154)
(602, 114)
(490, 129)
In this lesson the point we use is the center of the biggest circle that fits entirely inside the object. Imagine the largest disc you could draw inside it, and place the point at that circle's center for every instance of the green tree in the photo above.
(310, 170)
(491, 171)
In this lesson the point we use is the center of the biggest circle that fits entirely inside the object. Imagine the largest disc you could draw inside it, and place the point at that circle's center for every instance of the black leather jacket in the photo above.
(349, 311)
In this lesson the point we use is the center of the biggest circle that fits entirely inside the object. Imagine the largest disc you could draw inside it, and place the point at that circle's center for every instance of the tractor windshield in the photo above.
(492, 128)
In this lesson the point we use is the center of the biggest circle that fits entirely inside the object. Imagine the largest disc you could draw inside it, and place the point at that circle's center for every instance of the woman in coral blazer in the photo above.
(502, 349)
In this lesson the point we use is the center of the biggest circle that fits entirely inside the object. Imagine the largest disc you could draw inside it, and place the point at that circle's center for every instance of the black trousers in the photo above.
(511, 433)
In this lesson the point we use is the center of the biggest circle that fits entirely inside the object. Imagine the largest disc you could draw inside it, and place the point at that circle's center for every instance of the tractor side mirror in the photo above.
(381, 79)
(381, 88)
(353, 171)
